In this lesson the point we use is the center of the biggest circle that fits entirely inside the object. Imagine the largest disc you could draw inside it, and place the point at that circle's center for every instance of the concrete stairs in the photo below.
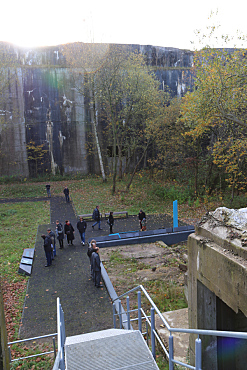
(110, 349)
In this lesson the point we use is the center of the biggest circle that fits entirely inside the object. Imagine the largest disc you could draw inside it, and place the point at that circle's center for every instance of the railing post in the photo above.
(54, 347)
(114, 315)
(147, 330)
(139, 311)
(128, 311)
(170, 352)
(152, 332)
(198, 352)
(120, 314)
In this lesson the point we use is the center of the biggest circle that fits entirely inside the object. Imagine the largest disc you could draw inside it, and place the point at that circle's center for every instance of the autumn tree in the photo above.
(36, 155)
(216, 109)
(131, 102)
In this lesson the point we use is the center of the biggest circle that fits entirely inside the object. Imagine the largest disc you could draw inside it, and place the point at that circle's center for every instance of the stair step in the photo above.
(110, 349)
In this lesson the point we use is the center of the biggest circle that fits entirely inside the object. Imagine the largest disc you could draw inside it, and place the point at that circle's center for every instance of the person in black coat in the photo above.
(81, 226)
(66, 193)
(110, 221)
(60, 234)
(91, 249)
(48, 249)
(69, 232)
(53, 241)
(96, 217)
(48, 189)
(96, 268)
(141, 216)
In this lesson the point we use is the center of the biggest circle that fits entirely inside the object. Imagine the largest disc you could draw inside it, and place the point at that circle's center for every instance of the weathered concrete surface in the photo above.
(42, 105)
(217, 283)
(176, 319)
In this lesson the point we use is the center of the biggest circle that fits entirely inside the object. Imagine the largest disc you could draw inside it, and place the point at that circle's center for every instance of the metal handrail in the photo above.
(37, 354)
(154, 334)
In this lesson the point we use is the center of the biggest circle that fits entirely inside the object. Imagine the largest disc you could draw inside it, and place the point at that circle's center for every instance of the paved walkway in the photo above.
(86, 308)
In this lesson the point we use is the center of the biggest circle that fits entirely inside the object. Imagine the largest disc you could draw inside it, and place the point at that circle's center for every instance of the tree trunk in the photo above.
(114, 159)
(133, 174)
(94, 122)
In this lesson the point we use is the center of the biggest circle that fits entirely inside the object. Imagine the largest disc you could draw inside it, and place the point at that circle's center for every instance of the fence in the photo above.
(150, 321)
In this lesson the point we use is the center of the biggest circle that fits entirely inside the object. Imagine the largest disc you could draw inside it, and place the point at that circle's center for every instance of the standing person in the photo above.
(81, 226)
(96, 217)
(48, 189)
(141, 216)
(53, 242)
(96, 268)
(110, 221)
(69, 231)
(48, 249)
(91, 249)
(66, 193)
(60, 234)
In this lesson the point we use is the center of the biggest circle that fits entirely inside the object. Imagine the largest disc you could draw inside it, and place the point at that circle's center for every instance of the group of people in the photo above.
(67, 231)
(97, 219)
(65, 191)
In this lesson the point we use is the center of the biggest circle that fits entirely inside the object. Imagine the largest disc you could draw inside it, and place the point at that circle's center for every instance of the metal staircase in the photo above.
(108, 349)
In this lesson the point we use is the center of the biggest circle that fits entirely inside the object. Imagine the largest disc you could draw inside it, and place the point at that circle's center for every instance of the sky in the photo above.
(170, 23)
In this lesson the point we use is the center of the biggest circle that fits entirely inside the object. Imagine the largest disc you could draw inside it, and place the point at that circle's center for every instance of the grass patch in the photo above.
(19, 223)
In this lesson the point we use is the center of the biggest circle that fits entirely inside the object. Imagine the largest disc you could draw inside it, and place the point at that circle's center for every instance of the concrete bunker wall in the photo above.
(217, 287)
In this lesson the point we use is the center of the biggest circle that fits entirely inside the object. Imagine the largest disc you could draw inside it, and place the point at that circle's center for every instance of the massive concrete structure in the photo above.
(42, 106)
(217, 286)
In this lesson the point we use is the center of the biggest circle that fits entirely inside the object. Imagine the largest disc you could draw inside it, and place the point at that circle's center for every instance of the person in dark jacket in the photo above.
(110, 221)
(48, 249)
(81, 226)
(60, 234)
(96, 217)
(91, 249)
(66, 193)
(142, 216)
(53, 242)
(69, 232)
(96, 268)
(48, 189)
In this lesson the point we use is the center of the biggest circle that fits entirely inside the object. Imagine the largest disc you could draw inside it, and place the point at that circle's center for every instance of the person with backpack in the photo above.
(91, 249)
(48, 249)
(96, 217)
(53, 242)
(60, 234)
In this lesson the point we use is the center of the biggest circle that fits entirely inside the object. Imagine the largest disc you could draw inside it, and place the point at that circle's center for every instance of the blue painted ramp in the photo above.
(169, 236)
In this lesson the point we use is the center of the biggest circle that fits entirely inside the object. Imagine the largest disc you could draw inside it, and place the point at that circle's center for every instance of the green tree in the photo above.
(36, 154)
(215, 111)
(131, 102)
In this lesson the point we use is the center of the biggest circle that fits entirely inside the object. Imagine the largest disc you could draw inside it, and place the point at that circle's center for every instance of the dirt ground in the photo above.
(132, 265)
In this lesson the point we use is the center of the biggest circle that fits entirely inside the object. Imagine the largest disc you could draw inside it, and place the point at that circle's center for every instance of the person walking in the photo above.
(48, 190)
(66, 193)
(69, 232)
(96, 268)
(96, 217)
(81, 226)
(110, 221)
(48, 249)
(60, 234)
(53, 242)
